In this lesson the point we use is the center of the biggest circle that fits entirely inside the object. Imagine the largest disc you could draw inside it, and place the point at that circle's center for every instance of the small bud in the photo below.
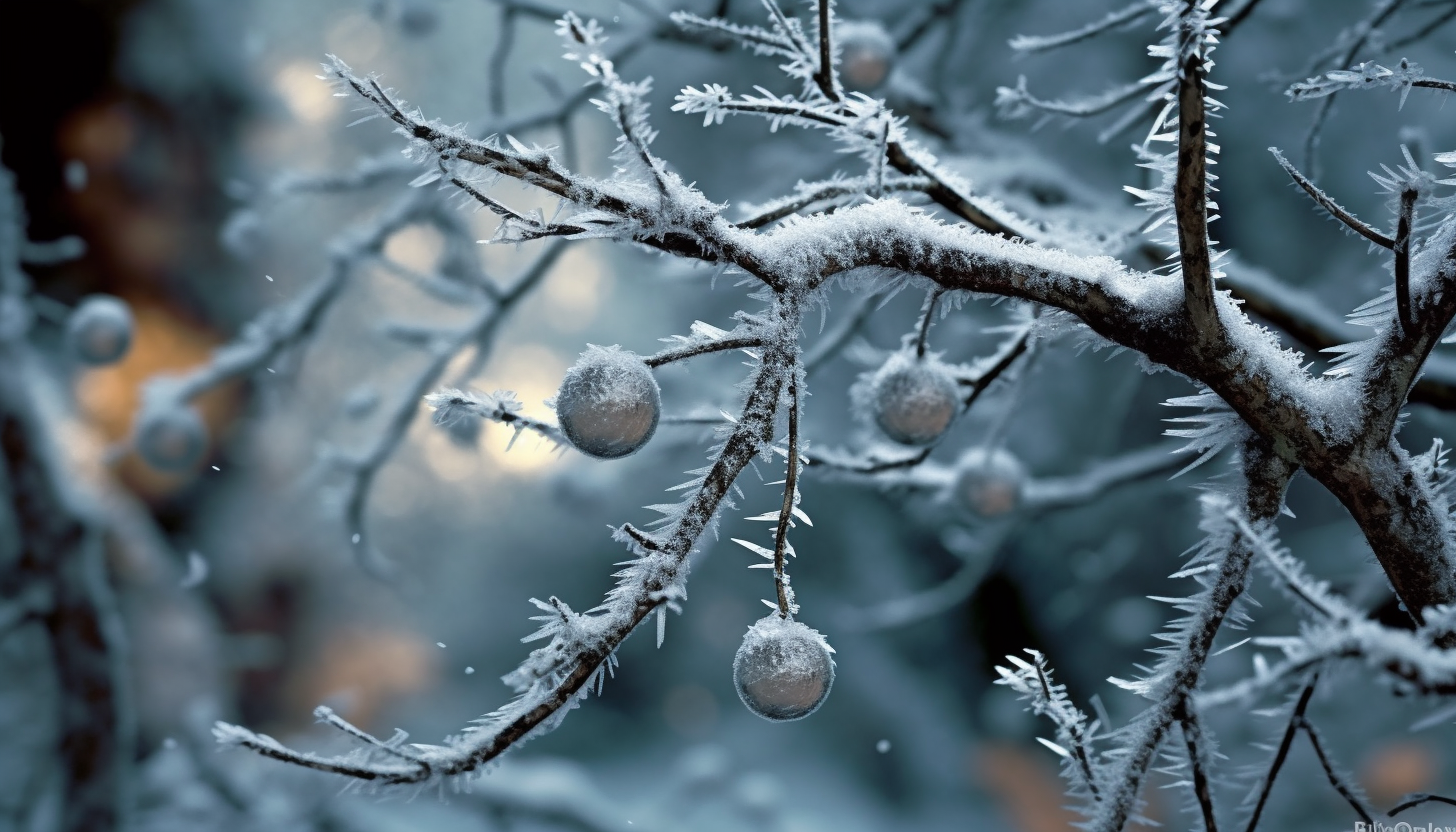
(609, 403)
(99, 331)
(783, 670)
(989, 482)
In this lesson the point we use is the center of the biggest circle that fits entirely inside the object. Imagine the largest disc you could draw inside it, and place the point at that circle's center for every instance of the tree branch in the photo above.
(1190, 192)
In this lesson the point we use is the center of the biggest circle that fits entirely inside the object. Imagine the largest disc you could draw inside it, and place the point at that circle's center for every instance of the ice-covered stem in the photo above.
(825, 75)
(1018, 101)
(1190, 189)
(1032, 681)
(1266, 476)
(1403, 257)
(1282, 752)
(1331, 207)
(1196, 744)
(927, 317)
(451, 406)
(791, 499)
(1346, 790)
(1304, 316)
(692, 350)
(1298, 721)
(556, 676)
(994, 365)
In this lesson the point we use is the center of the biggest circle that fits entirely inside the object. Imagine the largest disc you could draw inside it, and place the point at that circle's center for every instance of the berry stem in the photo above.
(791, 492)
(925, 321)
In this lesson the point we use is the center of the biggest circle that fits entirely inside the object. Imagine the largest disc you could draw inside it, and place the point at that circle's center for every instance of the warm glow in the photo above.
(575, 288)
(416, 247)
(448, 461)
(359, 672)
(308, 97)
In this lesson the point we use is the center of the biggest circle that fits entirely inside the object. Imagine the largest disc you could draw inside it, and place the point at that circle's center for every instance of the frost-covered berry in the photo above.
(99, 330)
(989, 482)
(609, 403)
(866, 54)
(912, 399)
(171, 439)
(783, 670)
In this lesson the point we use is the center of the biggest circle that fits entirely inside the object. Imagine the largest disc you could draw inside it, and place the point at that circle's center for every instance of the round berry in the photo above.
(989, 482)
(783, 670)
(171, 439)
(99, 330)
(913, 399)
(866, 54)
(609, 403)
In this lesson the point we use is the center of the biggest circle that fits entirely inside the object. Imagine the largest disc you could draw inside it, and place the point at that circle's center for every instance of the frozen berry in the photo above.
(989, 482)
(912, 399)
(99, 330)
(171, 439)
(783, 670)
(609, 403)
(866, 54)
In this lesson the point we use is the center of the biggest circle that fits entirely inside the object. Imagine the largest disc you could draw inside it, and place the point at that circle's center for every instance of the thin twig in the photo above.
(926, 319)
(1194, 741)
(1404, 222)
(669, 356)
(826, 76)
(786, 513)
(1335, 779)
(1331, 207)
(1295, 719)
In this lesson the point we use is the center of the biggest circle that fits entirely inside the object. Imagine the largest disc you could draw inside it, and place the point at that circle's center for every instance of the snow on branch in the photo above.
(1369, 76)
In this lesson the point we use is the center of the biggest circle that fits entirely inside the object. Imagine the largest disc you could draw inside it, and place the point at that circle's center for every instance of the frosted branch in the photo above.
(453, 406)
(1221, 564)
(1112, 20)
(554, 678)
(1331, 207)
